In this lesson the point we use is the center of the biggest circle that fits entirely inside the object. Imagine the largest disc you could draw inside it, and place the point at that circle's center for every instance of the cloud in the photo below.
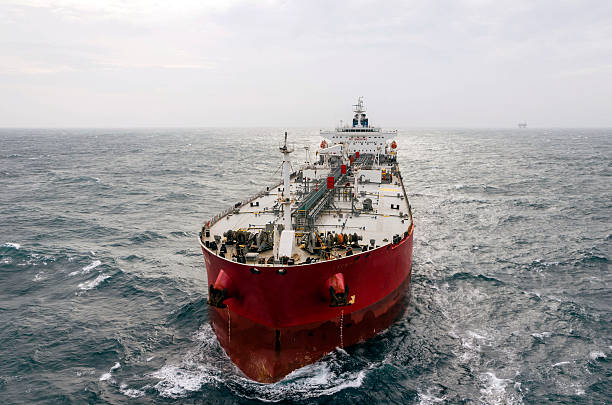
(120, 65)
(426, 62)
(136, 11)
(586, 71)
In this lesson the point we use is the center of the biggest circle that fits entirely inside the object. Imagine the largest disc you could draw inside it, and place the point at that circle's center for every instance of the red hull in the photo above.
(275, 323)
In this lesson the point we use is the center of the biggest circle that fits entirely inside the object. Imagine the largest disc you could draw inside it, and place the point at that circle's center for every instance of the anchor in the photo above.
(339, 291)
(216, 297)
(221, 290)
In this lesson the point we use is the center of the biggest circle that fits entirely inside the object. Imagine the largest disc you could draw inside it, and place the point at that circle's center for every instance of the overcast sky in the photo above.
(425, 63)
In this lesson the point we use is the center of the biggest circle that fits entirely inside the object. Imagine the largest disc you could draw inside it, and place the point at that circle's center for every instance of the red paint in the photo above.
(330, 182)
(297, 306)
(267, 354)
(357, 155)
(223, 281)
(336, 282)
(343, 169)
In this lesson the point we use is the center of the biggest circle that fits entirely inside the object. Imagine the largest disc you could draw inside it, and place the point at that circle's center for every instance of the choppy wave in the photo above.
(108, 376)
(12, 245)
(79, 179)
(104, 288)
(87, 269)
(208, 366)
(595, 355)
(91, 266)
(131, 392)
(318, 380)
(495, 390)
(147, 236)
(91, 284)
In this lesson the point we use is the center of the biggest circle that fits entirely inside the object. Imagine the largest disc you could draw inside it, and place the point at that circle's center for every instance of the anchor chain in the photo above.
(229, 327)
(341, 329)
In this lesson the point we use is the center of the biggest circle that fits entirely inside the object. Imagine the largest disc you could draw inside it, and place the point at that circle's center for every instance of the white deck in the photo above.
(379, 225)
(325, 222)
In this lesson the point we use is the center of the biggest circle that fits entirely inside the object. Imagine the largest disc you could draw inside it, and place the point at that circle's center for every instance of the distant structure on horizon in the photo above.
(522, 124)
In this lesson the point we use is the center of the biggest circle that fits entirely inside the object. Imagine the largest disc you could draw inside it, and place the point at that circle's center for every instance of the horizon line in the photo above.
(298, 127)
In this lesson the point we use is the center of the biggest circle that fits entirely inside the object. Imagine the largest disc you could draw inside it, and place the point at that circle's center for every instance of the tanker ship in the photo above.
(320, 260)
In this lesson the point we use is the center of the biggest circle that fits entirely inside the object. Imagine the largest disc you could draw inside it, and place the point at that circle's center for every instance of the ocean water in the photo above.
(103, 288)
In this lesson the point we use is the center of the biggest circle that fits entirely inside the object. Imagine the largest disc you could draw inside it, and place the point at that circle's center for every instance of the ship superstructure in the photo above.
(327, 248)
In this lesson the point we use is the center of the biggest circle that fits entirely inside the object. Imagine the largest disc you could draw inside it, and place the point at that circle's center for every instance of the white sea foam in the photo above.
(494, 390)
(88, 285)
(87, 268)
(107, 376)
(40, 276)
(312, 381)
(86, 371)
(91, 266)
(12, 245)
(208, 365)
(561, 363)
(133, 393)
(428, 399)
(130, 392)
(475, 335)
(176, 382)
(597, 355)
(541, 335)
(472, 345)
